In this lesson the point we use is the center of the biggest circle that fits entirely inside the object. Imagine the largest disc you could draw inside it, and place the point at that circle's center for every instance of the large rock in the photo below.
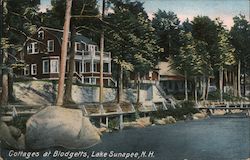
(197, 116)
(169, 120)
(133, 125)
(159, 122)
(57, 126)
(145, 121)
(219, 112)
(7, 138)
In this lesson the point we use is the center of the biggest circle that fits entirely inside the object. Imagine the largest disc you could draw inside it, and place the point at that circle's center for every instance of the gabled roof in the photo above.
(59, 34)
(167, 70)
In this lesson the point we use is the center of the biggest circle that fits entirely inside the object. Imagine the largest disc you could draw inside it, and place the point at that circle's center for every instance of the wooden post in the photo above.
(121, 122)
(100, 121)
(107, 121)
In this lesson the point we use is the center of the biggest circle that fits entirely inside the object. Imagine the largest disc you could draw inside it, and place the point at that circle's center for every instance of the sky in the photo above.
(225, 9)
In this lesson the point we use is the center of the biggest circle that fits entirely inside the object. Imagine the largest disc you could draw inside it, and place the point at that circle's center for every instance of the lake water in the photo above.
(209, 139)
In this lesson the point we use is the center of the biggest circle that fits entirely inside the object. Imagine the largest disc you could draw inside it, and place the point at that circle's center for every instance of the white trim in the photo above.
(53, 46)
(26, 70)
(91, 47)
(58, 30)
(32, 45)
(51, 66)
(38, 34)
(32, 69)
(44, 66)
(51, 57)
(76, 43)
(85, 44)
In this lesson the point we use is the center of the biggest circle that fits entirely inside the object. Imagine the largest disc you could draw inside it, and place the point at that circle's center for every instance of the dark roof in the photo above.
(59, 34)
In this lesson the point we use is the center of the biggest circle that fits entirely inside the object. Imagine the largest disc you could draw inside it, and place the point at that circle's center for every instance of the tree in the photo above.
(167, 29)
(226, 54)
(187, 26)
(183, 60)
(204, 68)
(84, 19)
(131, 39)
(240, 38)
(60, 94)
(17, 27)
(205, 30)
(4, 47)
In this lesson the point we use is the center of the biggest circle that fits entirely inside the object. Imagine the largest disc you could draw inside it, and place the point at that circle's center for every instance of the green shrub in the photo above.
(20, 122)
(113, 123)
(226, 96)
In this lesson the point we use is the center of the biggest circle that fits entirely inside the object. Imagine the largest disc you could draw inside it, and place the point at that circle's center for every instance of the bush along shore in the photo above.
(183, 112)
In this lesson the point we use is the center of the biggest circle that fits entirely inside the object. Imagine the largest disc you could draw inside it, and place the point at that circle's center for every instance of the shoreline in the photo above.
(147, 121)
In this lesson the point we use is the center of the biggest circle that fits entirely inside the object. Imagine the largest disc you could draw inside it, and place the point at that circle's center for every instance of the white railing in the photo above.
(94, 54)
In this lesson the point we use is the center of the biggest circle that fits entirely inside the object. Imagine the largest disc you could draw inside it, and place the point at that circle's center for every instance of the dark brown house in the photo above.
(43, 51)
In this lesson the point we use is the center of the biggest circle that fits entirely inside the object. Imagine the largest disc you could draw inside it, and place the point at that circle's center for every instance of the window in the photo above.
(105, 67)
(91, 48)
(32, 48)
(26, 70)
(93, 80)
(96, 67)
(84, 46)
(40, 35)
(35, 47)
(78, 47)
(33, 69)
(81, 69)
(54, 66)
(45, 66)
(50, 44)
(29, 48)
(86, 80)
(87, 67)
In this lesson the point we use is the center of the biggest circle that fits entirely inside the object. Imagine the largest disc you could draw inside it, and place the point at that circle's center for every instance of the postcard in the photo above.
(125, 79)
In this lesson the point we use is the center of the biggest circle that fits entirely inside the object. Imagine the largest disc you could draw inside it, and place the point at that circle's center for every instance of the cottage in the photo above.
(43, 51)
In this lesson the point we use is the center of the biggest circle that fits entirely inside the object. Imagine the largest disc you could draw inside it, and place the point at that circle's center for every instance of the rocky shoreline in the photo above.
(149, 121)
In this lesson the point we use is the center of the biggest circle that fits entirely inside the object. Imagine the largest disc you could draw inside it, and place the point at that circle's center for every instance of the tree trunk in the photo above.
(221, 83)
(226, 77)
(101, 67)
(186, 86)
(4, 96)
(244, 87)
(120, 85)
(101, 56)
(239, 79)
(71, 63)
(195, 90)
(60, 94)
(138, 88)
(208, 85)
(11, 95)
(235, 83)
(203, 87)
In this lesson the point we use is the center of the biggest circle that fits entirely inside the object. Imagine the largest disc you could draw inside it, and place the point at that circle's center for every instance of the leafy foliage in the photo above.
(240, 38)
(167, 29)
(130, 37)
